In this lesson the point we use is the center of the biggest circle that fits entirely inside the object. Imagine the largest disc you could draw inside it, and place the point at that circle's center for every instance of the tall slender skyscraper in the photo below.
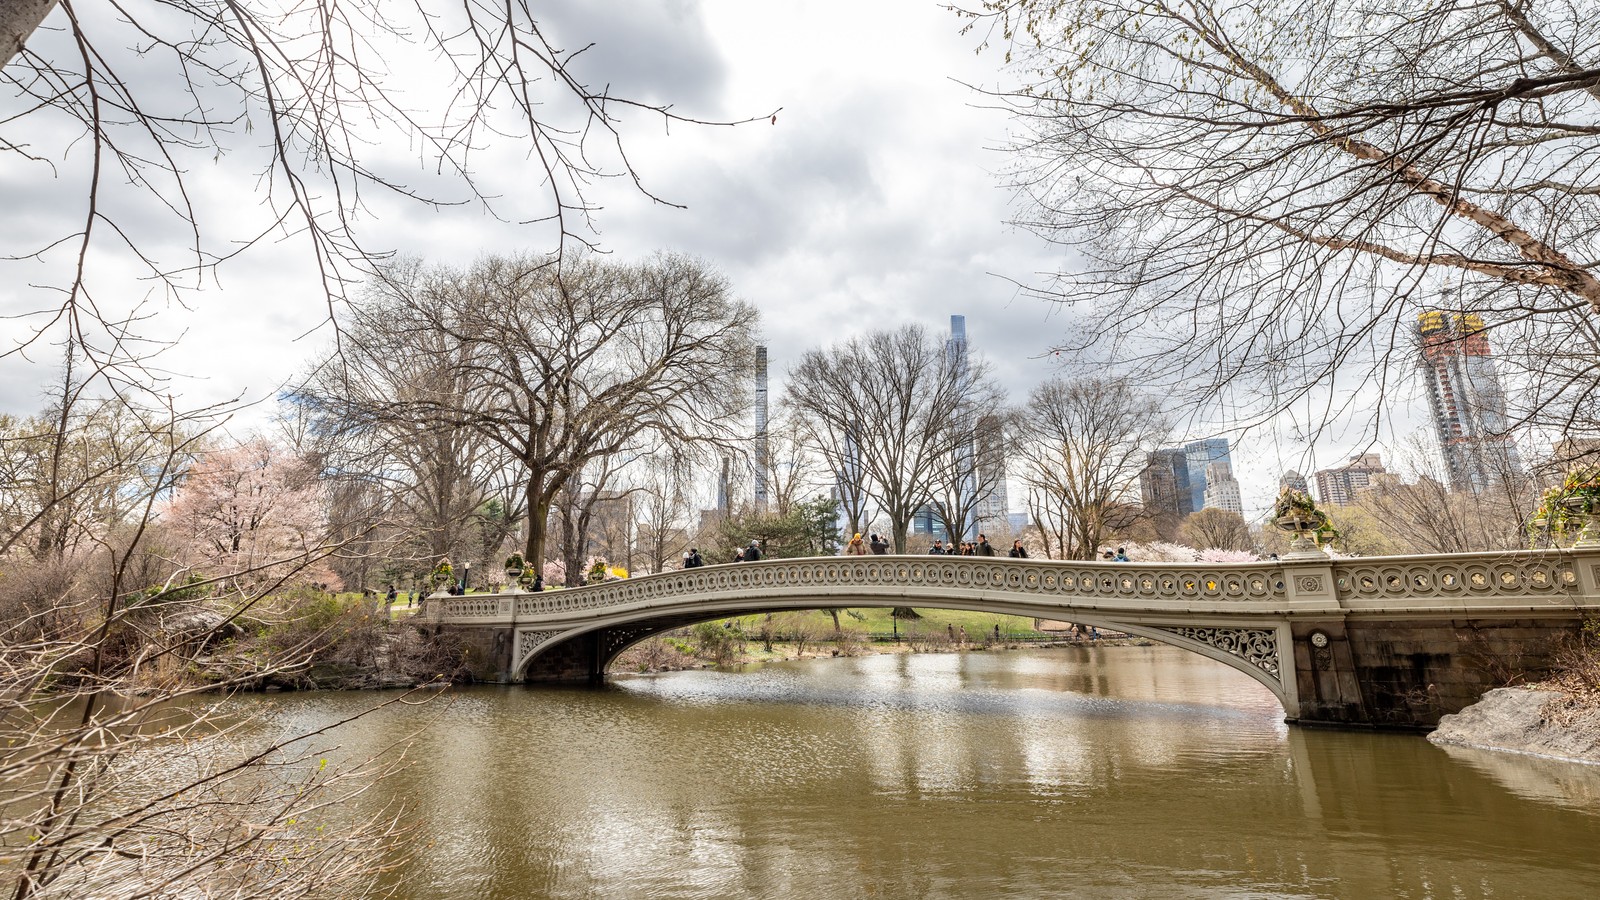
(1201, 454)
(1466, 399)
(761, 429)
(965, 451)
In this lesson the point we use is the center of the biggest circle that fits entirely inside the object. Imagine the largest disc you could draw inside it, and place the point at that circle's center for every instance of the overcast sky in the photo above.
(872, 201)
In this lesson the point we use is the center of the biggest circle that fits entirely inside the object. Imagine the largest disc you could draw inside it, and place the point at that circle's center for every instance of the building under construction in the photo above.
(1466, 399)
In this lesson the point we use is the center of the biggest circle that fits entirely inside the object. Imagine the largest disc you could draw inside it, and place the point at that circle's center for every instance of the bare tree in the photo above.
(1423, 515)
(889, 403)
(793, 466)
(110, 795)
(665, 503)
(1216, 529)
(972, 470)
(362, 399)
(1268, 193)
(575, 365)
(1082, 446)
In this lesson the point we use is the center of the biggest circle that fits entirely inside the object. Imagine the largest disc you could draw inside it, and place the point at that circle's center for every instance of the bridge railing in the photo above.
(1314, 582)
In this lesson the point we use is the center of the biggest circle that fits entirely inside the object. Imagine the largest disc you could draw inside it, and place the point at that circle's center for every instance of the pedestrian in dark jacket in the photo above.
(752, 553)
(879, 544)
(1018, 551)
(984, 547)
(937, 549)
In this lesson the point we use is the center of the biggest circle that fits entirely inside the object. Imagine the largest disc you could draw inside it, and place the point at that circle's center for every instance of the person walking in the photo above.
(856, 547)
(880, 544)
(1122, 554)
(752, 553)
(692, 559)
(937, 549)
(984, 547)
(1018, 551)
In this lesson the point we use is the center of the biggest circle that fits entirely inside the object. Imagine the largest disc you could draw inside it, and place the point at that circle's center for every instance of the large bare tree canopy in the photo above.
(1082, 445)
(1265, 193)
(564, 365)
(889, 412)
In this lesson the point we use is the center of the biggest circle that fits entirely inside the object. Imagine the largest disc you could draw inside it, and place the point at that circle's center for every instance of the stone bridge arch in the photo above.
(1386, 641)
(552, 655)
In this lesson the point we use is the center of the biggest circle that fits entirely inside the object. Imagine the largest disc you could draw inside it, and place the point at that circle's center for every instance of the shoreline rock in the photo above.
(1534, 720)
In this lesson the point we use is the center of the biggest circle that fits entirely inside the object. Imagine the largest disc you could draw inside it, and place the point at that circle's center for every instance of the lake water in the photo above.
(1073, 772)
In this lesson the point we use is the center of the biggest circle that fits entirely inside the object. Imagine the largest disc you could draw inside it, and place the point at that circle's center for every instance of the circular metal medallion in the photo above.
(1319, 639)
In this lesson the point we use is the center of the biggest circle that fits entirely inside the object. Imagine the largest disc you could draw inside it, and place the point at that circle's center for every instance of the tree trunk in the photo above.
(900, 528)
(18, 19)
(538, 518)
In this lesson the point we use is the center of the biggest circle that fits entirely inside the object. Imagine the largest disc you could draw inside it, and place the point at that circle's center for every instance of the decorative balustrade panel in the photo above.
(469, 607)
(1504, 575)
(1071, 580)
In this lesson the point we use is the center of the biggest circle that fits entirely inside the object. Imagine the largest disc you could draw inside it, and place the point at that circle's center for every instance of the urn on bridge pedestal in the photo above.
(1570, 509)
(1308, 526)
(442, 576)
(516, 570)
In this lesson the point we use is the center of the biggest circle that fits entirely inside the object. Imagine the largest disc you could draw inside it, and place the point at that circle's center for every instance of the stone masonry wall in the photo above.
(1408, 673)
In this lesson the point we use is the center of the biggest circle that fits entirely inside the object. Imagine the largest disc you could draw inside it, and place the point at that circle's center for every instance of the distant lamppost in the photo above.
(466, 576)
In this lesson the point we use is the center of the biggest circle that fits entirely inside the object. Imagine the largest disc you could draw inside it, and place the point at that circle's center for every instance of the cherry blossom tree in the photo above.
(252, 509)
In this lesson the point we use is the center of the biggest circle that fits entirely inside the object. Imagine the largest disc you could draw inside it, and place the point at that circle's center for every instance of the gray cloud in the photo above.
(656, 51)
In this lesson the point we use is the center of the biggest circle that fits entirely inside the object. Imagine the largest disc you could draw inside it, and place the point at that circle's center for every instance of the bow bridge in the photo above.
(1396, 641)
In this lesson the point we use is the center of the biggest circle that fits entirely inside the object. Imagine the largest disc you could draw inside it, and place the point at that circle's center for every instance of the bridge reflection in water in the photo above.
(1393, 641)
(1124, 772)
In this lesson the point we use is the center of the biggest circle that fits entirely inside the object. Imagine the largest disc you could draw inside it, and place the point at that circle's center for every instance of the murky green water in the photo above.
(1116, 772)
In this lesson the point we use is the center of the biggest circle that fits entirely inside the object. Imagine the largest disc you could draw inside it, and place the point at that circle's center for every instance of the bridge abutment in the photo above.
(1407, 673)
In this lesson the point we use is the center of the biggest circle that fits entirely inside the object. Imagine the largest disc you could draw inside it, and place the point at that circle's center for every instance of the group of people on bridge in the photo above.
(981, 547)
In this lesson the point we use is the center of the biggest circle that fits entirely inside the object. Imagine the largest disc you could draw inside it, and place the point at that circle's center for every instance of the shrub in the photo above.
(717, 643)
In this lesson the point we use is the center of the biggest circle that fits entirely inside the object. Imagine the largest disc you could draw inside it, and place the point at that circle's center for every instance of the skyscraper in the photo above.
(979, 457)
(990, 465)
(1222, 489)
(761, 429)
(1294, 481)
(1164, 484)
(1466, 399)
(1338, 486)
(1201, 454)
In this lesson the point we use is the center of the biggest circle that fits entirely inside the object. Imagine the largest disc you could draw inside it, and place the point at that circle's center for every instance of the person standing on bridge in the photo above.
(937, 549)
(880, 544)
(984, 547)
(692, 559)
(856, 547)
(1018, 551)
(752, 553)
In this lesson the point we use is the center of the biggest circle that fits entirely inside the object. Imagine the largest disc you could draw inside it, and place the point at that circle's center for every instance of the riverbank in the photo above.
(1557, 717)
(1542, 720)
